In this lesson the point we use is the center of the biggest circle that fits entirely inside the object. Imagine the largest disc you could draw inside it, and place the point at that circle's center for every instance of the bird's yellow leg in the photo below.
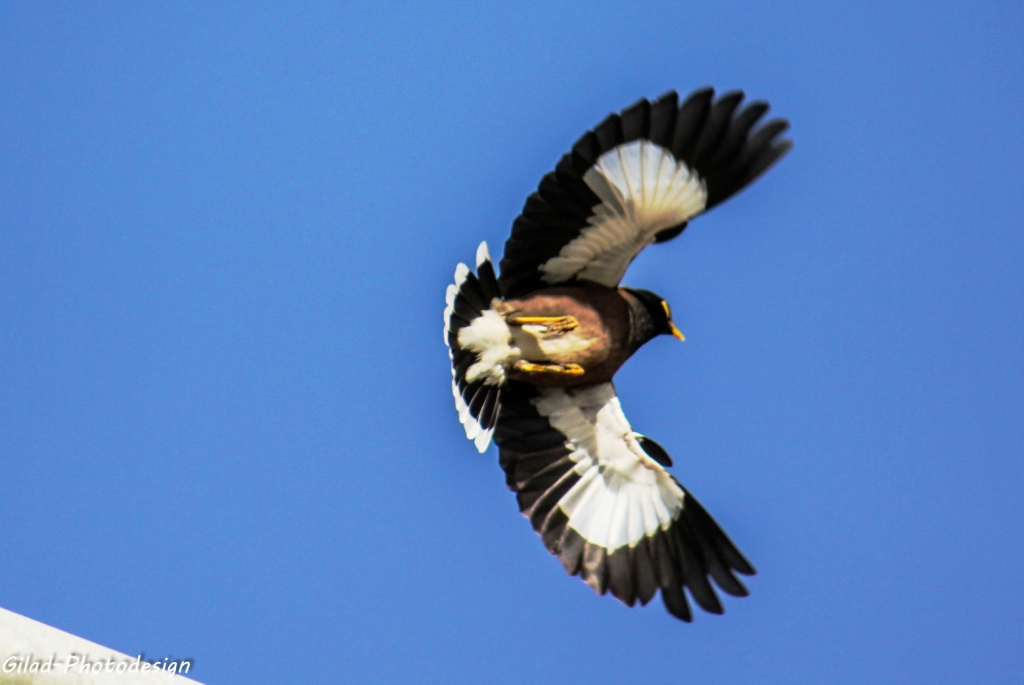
(552, 324)
(561, 369)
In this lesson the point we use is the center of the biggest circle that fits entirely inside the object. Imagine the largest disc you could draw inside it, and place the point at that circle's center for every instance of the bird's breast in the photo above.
(596, 340)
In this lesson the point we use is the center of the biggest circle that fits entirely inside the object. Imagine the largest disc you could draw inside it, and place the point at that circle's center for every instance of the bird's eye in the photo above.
(664, 305)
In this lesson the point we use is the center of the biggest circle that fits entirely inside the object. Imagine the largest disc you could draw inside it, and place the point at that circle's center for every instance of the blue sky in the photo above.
(226, 426)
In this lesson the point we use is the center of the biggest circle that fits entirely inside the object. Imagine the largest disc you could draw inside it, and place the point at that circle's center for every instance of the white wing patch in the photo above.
(622, 495)
(643, 189)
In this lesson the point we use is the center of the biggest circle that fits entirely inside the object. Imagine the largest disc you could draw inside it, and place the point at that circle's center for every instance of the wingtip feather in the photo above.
(461, 272)
(483, 255)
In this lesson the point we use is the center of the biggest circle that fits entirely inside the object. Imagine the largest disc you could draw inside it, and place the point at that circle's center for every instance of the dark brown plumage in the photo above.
(610, 323)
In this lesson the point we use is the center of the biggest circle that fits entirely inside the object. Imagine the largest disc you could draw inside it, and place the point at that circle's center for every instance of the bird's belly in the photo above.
(569, 347)
(582, 330)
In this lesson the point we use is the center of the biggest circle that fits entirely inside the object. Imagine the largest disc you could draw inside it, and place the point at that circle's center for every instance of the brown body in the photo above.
(598, 343)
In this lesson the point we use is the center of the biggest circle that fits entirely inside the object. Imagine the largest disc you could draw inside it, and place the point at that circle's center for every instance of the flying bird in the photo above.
(535, 349)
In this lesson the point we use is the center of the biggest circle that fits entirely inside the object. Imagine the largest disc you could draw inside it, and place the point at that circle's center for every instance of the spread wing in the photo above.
(604, 506)
(637, 178)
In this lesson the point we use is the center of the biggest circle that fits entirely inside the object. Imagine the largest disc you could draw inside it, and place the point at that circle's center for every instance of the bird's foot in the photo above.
(552, 325)
(524, 366)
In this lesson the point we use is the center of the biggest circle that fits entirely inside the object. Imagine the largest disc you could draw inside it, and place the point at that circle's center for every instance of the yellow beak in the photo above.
(675, 331)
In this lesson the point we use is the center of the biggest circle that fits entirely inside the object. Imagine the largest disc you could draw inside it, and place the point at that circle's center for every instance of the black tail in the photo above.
(478, 402)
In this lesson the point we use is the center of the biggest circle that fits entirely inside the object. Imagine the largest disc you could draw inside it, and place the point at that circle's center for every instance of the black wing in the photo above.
(609, 512)
(637, 178)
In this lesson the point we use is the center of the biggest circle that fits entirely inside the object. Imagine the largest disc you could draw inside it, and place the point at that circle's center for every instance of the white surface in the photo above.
(24, 641)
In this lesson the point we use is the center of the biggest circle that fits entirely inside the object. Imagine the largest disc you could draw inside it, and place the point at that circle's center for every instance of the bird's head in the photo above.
(651, 317)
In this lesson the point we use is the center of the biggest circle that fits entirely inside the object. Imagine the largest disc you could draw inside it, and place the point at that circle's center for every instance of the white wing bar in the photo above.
(643, 190)
(622, 495)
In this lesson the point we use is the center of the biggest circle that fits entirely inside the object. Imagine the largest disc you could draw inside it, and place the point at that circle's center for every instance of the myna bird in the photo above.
(534, 350)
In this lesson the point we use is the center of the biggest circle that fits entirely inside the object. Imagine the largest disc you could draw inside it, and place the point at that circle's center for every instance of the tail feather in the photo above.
(477, 392)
